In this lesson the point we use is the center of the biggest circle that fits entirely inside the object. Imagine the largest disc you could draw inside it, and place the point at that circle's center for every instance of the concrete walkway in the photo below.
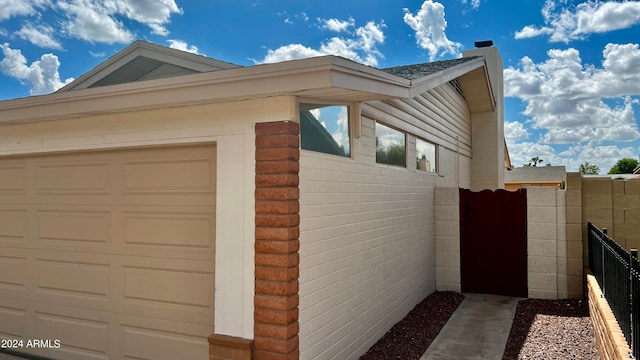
(477, 330)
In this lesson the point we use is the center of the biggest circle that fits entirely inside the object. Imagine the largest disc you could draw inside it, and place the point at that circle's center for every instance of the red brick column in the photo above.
(277, 219)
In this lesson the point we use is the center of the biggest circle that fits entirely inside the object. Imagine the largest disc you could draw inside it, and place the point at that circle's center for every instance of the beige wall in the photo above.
(611, 204)
(554, 260)
(367, 230)
(488, 128)
(447, 207)
(615, 205)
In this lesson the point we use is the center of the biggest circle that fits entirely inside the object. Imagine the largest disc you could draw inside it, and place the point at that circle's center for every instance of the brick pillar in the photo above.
(276, 260)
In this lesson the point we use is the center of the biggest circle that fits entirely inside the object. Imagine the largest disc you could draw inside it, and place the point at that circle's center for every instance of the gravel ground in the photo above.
(542, 329)
(551, 329)
(409, 338)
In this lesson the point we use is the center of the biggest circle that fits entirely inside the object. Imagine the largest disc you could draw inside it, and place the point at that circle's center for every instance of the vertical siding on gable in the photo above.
(367, 233)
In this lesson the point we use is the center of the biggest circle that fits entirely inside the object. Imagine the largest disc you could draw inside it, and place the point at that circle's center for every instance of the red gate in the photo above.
(493, 242)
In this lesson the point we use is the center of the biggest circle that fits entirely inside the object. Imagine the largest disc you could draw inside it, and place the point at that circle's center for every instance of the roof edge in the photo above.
(216, 86)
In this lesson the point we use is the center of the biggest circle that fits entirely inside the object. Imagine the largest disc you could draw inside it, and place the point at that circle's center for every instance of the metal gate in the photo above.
(493, 242)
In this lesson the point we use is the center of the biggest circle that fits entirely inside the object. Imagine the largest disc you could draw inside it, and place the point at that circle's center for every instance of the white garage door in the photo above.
(111, 253)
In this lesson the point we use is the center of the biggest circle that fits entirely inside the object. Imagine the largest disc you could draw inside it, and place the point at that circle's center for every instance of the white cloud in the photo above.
(593, 152)
(429, 25)
(474, 3)
(514, 130)
(181, 45)
(101, 21)
(153, 13)
(360, 47)
(604, 156)
(290, 52)
(522, 153)
(530, 31)
(10, 8)
(336, 24)
(42, 75)
(567, 24)
(578, 102)
(42, 36)
(93, 23)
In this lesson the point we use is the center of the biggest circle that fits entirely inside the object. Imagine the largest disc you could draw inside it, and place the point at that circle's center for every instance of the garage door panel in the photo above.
(82, 338)
(166, 286)
(170, 229)
(13, 227)
(141, 343)
(169, 176)
(13, 270)
(14, 178)
(75, 177)
(74, 227)
(169, 289)
(13, 322)
(74, 278)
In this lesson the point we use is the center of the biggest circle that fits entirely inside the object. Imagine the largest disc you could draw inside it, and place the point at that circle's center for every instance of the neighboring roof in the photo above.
(178, 78)
(624, 177)
(145, 61)
(535, 174)
(416, 71)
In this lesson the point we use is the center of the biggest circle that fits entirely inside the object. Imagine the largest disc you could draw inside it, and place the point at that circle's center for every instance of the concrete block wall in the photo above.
(626, 213)
(574, 246)
(554, 259)
(607, 203)
(543, 244)
(447, 217)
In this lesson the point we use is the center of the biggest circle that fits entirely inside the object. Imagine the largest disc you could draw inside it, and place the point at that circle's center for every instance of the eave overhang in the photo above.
(327, 78)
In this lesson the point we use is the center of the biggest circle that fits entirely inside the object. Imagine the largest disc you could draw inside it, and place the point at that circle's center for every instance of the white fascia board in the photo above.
(265, 80)
(426, 83)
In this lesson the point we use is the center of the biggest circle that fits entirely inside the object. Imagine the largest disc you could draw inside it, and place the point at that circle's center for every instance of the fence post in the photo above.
(604, 233)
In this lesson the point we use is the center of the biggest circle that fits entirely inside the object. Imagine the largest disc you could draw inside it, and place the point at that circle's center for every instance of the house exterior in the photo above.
(166, 205)
(517, 178)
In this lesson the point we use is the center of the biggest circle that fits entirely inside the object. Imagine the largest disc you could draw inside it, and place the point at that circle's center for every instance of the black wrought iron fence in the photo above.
(618, 273)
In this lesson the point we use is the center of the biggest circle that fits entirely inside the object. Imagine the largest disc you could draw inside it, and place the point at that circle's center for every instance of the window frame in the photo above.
(436, 165)
(406, 142)
(353, 111)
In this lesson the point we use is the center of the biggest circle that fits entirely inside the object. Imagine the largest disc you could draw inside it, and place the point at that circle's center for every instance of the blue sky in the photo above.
(572, 68)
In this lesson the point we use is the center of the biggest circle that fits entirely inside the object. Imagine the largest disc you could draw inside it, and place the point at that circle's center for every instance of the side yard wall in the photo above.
(554, 261)
(612, 204)
(609, 338)
(367, 246)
